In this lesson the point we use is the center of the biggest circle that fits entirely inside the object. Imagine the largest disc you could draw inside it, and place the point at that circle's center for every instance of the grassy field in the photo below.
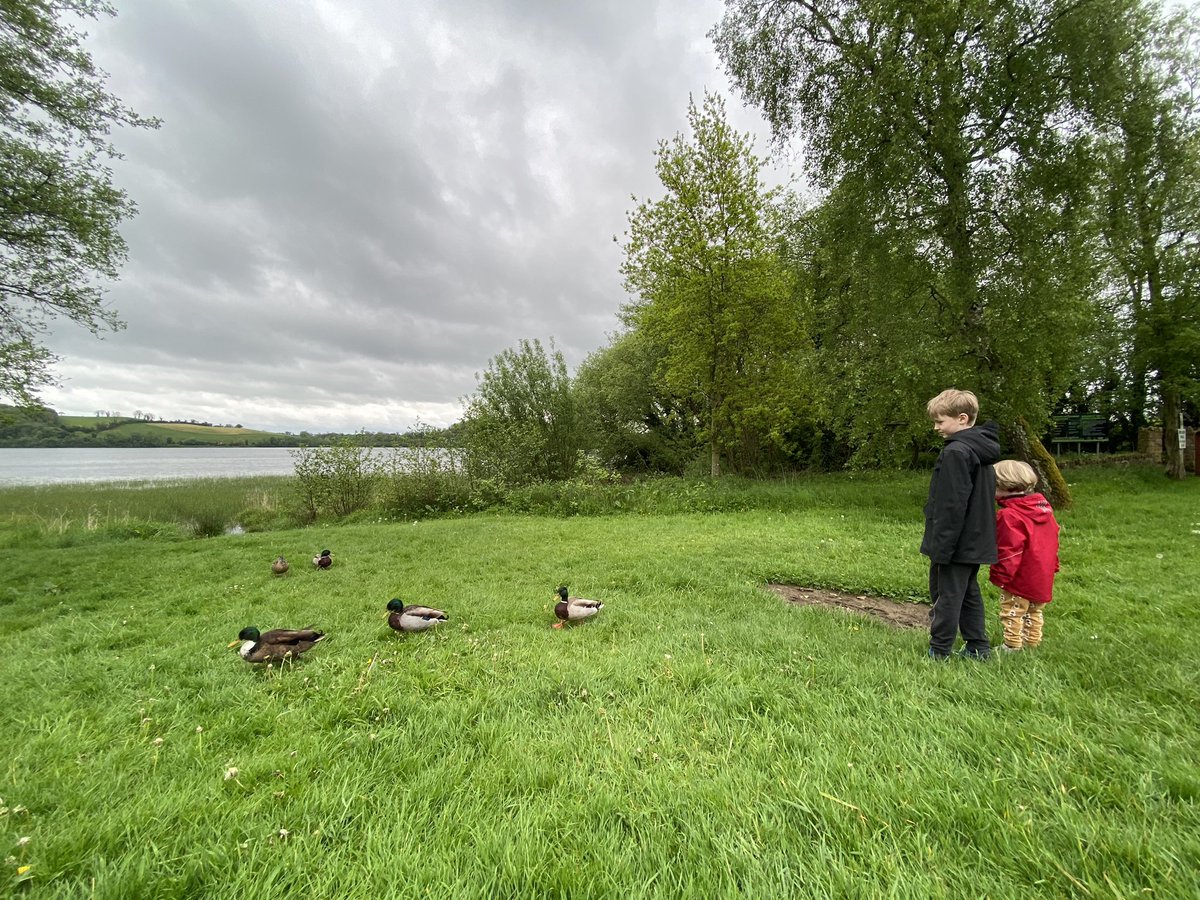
(698, 739)
(178, 431)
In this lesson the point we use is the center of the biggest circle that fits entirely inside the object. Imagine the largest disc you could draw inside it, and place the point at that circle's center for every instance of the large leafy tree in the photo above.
(1150, 145)
(627, 418)
(959, 131)
(59, 208)
(712, 291)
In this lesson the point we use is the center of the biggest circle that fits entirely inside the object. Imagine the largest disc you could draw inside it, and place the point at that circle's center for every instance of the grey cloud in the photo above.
(366, 200)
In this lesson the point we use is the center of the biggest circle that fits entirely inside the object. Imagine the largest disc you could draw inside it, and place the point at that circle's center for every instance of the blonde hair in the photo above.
(1014, 476)
(953, 402)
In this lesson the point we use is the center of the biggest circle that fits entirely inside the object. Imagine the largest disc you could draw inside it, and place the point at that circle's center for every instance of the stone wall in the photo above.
(1150, 445)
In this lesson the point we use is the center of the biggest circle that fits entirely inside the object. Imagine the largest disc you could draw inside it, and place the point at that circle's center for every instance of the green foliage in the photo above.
(336, 480)
(631, 423)
(1150, 150)
(698, 739)
(522, 425)
(957, 246)
(712, 293)
(426, 480)
(59, 209)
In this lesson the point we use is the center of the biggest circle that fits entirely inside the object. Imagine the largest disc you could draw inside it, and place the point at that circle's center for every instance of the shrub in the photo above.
(338, 479)
(425, 480)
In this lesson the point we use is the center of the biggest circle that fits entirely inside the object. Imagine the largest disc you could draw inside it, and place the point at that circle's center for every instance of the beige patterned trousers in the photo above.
(1022, 621)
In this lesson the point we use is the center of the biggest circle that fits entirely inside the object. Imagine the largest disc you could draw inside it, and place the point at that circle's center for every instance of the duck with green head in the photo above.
(276, 645)
(413, 617)
(574, 609)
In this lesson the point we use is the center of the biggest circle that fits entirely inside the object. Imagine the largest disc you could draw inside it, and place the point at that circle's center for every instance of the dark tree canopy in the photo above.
(59, 208)
(955, 139)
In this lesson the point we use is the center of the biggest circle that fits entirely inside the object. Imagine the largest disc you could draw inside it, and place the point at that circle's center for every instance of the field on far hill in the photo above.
(118, 429)
(701, 737)
(41, 427)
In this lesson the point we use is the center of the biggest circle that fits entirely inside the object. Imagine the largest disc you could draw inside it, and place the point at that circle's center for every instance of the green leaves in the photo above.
(956, 245)
(59, 209)
(521, 423)
(712, 291)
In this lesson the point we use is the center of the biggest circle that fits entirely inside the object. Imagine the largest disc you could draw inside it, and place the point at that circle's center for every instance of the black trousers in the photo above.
(957, 606)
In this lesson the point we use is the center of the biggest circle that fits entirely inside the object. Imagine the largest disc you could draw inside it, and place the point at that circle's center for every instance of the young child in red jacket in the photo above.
(1027, 557)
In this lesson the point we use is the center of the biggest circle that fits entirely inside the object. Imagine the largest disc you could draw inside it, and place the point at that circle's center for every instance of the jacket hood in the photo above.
(983, 439)
(1033, 507)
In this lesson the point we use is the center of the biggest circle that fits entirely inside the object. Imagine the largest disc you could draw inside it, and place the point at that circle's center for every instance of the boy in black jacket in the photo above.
(960, 524)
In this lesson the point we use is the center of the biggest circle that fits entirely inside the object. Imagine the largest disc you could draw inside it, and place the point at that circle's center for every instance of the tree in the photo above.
(960, 131)
(627, 419)
(711, 288)
(59, 209)
(521, 424)
(1151, 152)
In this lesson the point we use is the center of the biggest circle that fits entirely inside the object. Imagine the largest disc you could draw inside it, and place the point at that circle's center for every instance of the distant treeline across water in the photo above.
(41, 427)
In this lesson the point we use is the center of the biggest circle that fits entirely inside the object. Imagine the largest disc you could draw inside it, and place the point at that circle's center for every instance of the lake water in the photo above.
(71, 464)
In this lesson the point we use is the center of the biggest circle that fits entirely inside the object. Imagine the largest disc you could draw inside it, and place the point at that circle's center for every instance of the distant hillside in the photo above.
(43, 427)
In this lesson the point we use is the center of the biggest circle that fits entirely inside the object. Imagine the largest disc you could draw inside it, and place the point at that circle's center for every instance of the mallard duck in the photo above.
(280, 566)
(276, 645)
(413, 617)
(324, 561)
(574, 609)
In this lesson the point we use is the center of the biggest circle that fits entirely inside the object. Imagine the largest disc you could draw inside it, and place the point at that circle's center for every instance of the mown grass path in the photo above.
(700, 738)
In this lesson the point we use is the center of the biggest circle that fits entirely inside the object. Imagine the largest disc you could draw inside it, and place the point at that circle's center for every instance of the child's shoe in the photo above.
(1008, 649)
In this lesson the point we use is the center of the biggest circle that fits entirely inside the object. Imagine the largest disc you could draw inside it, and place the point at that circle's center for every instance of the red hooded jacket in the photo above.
(1027, 545)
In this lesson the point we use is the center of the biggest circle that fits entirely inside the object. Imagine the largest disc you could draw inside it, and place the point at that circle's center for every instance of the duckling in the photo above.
(574, 609)
(324, 561)
(413, 617)
(280, 566)
(276, 645)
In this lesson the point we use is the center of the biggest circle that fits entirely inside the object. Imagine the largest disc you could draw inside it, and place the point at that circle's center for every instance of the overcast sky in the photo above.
(352, 205)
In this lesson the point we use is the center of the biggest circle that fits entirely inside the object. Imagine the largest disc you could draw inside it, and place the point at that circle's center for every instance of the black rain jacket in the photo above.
(960, 517)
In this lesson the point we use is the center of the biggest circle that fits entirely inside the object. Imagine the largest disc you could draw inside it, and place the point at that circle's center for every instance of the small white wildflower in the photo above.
(22, 841)
(1158, 556)
(199, 729)
(283, 834)
(231, 772)
(158, 742)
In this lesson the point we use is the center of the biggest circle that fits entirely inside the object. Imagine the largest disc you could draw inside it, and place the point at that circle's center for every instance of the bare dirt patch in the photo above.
(891, 612)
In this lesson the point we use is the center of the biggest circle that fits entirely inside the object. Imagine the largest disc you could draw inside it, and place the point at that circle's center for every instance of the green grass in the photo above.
(699, 738)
